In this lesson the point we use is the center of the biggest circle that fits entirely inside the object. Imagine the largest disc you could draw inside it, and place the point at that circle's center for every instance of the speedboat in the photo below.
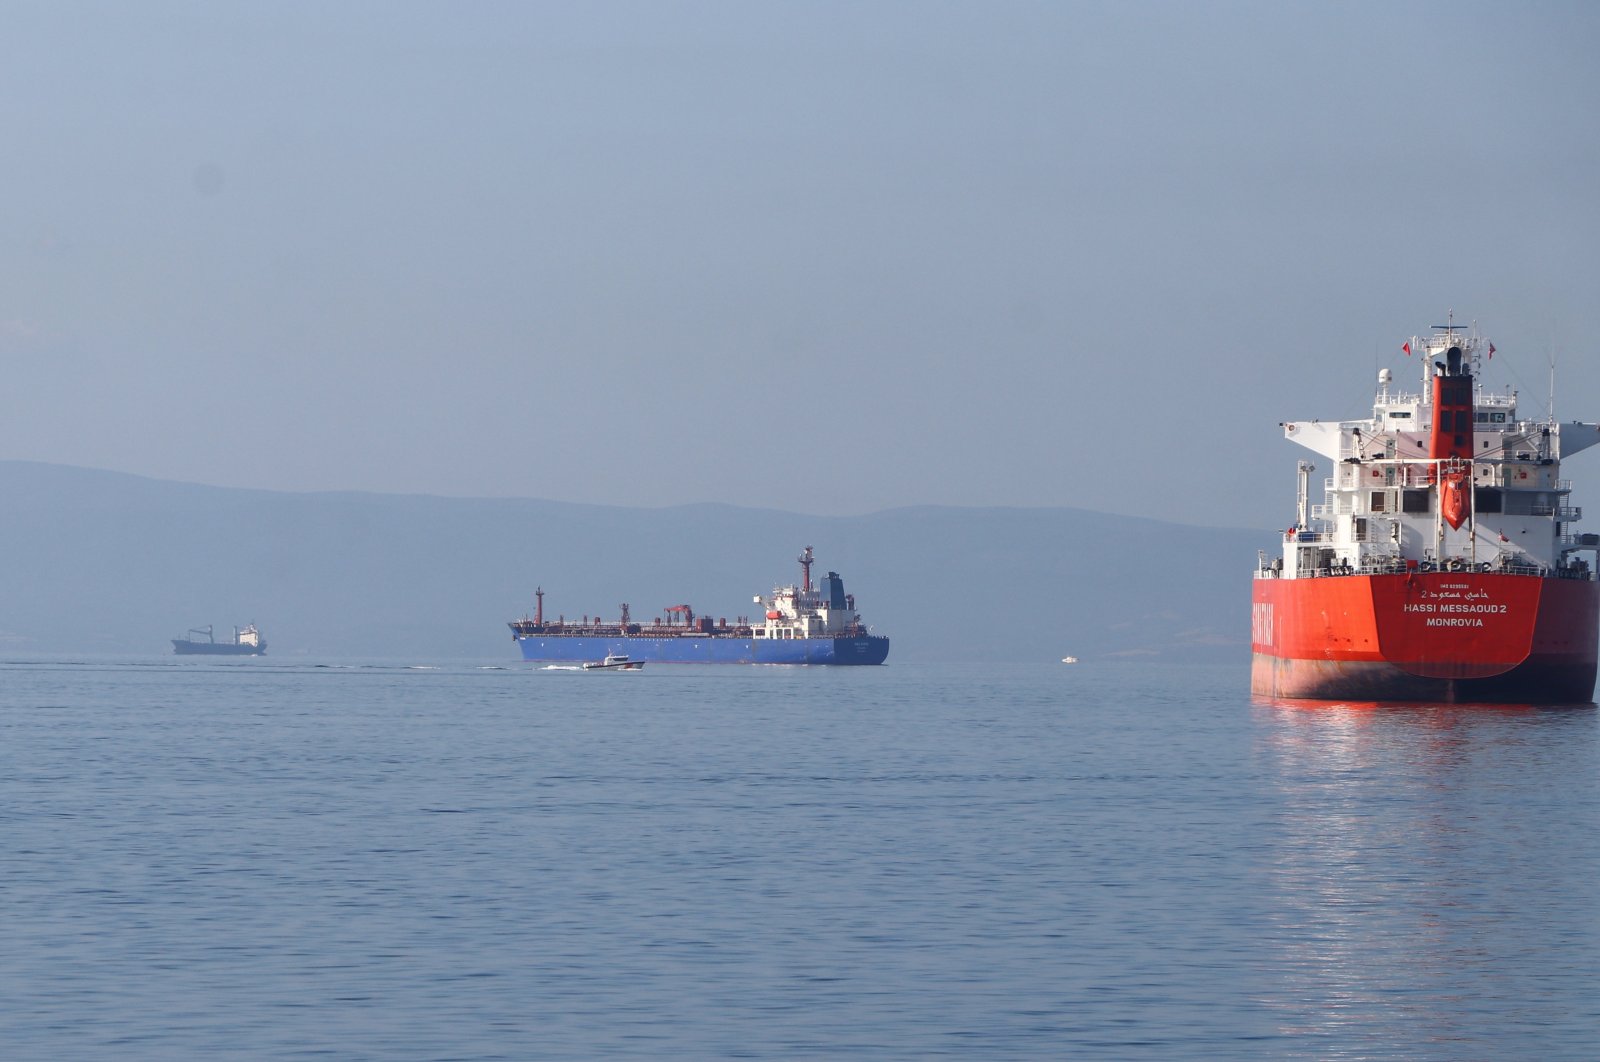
(614, 662)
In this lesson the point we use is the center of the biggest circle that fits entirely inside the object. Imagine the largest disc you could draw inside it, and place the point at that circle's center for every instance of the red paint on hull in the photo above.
(1437, 636)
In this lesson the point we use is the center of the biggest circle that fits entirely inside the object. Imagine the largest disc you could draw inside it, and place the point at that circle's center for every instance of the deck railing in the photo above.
(1579, 572)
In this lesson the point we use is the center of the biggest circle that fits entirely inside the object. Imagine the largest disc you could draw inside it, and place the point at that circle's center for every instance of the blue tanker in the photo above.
(799, 625)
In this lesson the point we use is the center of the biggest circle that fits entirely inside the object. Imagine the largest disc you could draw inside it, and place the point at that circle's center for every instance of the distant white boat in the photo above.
(1069, 660)
(614, 662)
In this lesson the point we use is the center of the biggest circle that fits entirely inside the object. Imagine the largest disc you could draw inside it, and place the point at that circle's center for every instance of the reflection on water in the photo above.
(1431, 865)
(380, 860)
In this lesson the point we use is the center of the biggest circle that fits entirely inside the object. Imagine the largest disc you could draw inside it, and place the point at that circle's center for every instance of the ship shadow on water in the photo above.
(1291, 705)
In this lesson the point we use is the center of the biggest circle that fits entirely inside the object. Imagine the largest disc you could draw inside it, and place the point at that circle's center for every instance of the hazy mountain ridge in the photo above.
(108, 562)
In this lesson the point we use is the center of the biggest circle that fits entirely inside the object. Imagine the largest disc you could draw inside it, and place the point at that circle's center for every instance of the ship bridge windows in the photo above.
(1490, 417)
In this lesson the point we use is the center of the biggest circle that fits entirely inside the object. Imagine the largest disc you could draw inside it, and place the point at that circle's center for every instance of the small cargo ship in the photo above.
(247, 641)
(798, 624)
(1442, 564)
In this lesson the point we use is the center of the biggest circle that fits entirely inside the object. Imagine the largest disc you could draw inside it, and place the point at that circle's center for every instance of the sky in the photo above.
(830, 258)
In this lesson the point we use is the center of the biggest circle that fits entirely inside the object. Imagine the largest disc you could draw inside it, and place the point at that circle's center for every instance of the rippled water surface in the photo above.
(207, 859)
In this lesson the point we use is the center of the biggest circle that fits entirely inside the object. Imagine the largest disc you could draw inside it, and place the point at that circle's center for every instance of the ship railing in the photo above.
(1413, 473)
(1399, 472)
(1345, 506)
(1399, 566)
(578, 630)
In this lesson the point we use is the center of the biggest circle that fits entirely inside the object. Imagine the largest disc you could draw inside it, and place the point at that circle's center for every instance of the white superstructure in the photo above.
(1403, 494)
(805, 611)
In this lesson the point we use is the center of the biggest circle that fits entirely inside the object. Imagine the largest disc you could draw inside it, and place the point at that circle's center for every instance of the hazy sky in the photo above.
(823, 257)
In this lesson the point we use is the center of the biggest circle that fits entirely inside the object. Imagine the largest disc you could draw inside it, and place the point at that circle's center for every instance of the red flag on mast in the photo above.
(1407, 348)
(1491, 350)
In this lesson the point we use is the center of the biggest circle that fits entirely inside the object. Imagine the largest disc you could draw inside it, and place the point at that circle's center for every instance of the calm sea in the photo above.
(275, 859)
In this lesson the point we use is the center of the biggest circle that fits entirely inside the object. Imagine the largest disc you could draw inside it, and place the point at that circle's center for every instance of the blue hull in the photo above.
(864, 649)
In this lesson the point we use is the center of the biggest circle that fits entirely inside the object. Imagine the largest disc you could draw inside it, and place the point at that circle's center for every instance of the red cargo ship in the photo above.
(1441, 565)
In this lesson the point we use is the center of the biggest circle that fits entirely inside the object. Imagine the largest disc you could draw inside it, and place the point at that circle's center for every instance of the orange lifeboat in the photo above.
(774, 614)
(1454, 498)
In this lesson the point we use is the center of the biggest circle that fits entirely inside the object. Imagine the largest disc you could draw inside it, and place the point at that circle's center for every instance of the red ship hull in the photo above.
(1452, 637)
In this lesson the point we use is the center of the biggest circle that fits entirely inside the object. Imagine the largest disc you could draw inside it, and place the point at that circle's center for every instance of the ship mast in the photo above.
(538, 614)
(805, 570)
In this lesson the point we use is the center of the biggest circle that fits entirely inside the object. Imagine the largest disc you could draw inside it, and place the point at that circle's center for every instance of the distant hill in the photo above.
(104, 562)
